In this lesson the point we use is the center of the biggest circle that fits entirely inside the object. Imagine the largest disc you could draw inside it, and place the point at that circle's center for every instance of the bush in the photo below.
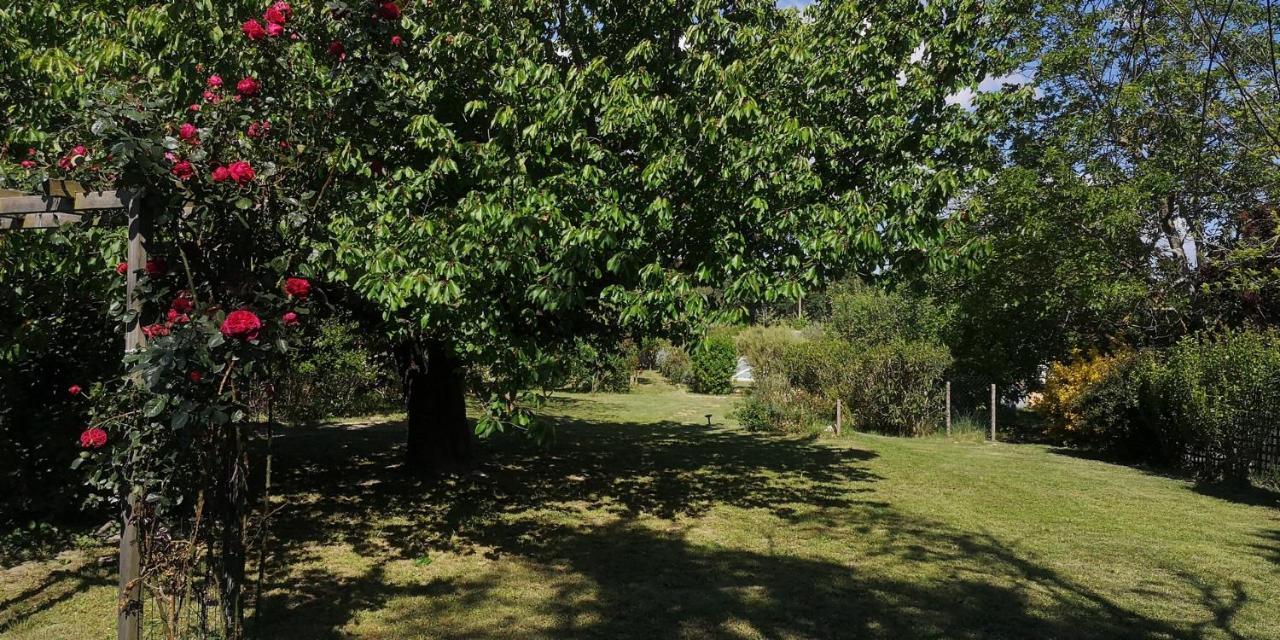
(594, 368)
(1213, 400)
(775, 405)
(673, 362)
(766, 348)
(895, 388)
(1092, 402)
(341, 373)
(714, 362)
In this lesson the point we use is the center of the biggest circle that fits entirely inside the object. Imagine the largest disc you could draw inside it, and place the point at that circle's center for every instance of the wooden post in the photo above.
(948, 408)
(993, 413)
(129, 621)
(839, 416)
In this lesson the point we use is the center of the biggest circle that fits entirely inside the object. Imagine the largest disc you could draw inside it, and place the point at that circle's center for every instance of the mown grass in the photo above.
(643, 522)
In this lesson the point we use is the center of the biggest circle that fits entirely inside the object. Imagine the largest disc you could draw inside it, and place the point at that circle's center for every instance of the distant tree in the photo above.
(1141, 187)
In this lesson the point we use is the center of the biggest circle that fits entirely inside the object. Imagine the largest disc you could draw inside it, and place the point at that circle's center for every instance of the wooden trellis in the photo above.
(66, 202)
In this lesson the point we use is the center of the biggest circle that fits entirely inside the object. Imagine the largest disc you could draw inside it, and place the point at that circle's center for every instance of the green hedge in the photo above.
(713, 366)
(1204, 405)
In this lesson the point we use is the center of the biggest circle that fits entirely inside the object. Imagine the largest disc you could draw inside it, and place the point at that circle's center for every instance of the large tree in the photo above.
(1139, 197)
(555, 169)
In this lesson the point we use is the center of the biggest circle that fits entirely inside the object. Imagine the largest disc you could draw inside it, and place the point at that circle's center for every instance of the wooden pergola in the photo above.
(65, 202)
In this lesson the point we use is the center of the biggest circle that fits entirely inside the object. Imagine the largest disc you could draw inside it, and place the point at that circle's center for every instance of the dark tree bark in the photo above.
(440, 439)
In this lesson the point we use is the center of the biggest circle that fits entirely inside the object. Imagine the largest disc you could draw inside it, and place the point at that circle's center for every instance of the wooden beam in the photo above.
(35, 204)
(38, 221)
(94, 200)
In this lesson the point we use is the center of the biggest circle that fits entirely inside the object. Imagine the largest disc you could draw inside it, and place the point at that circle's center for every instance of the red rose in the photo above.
(155, 331)
(176, 317)
(182, 302)
(241, 324)
(337, 50)
(275, 30)
(242, 172)
(74, 389)
(194, 107)
(221, 174)
(79, 150)
(214, 81)
(210, 96)
(389, 11)
(122, 268)
(183, 170)
(284, 145)
(290, 319)
(257, 129)
(253, 30)
(277, 13)
(187, 131)
(195, 376)
(93, 438)
(248, 87)
(298, 288)
(156, 267)
(396, 41)
(28, 164)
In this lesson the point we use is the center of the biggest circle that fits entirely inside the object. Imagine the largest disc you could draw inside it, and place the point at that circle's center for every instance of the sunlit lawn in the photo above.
(642, 522)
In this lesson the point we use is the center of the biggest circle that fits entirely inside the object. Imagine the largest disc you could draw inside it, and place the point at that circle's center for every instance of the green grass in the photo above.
(642, 522)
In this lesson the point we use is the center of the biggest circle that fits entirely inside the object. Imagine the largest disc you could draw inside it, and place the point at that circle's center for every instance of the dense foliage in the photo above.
(1207, 404)
(878, 352)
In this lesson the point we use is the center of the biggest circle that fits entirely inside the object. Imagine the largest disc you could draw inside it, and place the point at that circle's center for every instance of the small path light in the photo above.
(708, 419)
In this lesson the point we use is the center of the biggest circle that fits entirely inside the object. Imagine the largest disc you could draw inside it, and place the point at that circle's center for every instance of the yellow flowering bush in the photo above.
(1086, 399)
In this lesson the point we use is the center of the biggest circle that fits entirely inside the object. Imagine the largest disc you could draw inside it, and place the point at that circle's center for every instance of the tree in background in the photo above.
(1139, 197)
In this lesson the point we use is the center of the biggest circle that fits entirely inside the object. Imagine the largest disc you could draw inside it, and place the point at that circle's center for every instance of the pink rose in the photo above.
(214, 81)
(28, 164)
(290, 319)
(187, 132)
(253, 30)
(275, 30)
(210, 96)
(221, 174)
(396, 41)
(74, 389)
(248, 87)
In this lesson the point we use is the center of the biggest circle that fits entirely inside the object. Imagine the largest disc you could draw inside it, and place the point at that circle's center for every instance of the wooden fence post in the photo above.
(948, 407)
(839, 416)
(129, 620)
(993, 413)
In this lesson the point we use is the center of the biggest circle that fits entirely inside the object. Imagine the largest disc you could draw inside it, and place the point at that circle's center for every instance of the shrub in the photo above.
(340, 373)
(765, 348)
(1092, 402)
(864, 314)
(713, 365)
(594, 368)
(1213, 400)
(775, 405)
(673, 362)
(894, 388)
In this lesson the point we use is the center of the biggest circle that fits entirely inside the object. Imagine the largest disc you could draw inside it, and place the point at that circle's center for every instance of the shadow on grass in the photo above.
(911, 578)
(60, 585)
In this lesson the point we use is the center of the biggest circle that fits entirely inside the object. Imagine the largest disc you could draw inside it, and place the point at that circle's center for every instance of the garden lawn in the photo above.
(642, 522)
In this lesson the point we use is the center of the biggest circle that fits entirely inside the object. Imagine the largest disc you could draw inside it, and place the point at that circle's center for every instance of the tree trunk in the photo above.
(231, 570)
(440, 439)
